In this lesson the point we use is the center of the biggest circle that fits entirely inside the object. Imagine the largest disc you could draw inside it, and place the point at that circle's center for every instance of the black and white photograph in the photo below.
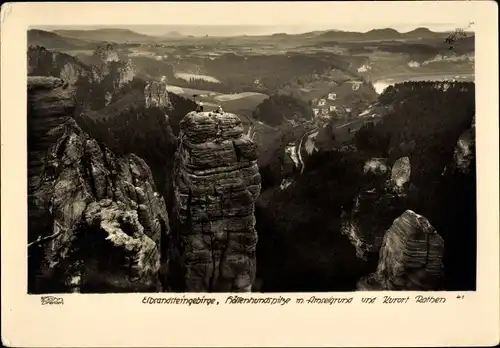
(209, 158)
(262, 174)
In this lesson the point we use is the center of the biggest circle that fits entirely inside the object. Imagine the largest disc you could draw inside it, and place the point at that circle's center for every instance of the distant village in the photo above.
(327, 108)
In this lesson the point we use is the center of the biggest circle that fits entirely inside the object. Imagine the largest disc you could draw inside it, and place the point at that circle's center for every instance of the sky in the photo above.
(233, 30)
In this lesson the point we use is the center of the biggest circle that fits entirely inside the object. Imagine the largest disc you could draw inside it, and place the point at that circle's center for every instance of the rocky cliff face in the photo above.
(50, 104)
(377, 166)
(410, 257)
(98, 82)
(106, 62)
(401, 172)
(464, 152)
(96, 221)
(121, 72)
(377, 206)
(106, 53)
(217, 182)
(156, 95)
(42, 62)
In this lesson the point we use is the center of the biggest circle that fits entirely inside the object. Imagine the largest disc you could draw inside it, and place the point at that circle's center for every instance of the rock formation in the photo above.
(106, 62)
(95, 220)
(217, 184)
(122, 72)
(106, 53)
(377, 166)
(464, 152)
(42, 62)
(401, 171)
(410, 257)
(98, 81)
(377, 206)
(156, 95)
(372, 213)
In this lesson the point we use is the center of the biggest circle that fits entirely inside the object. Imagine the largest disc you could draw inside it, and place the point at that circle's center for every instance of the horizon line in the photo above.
(136, 29)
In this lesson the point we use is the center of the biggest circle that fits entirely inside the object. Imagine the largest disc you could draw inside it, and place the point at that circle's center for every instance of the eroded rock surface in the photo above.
(401, 171)
(377, 206)
(217, 182)
(108, 68)
(95, 219)
(99, 80)
(410, 257)
(156, 95)
(465, 150)
(43, 62)
(106, 53)
(373, 212)
(377, 166)
(50, 103)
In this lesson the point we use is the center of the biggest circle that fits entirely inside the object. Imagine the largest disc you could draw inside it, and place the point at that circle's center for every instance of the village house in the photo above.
(332, 96)
(321, 102)
(316, 112)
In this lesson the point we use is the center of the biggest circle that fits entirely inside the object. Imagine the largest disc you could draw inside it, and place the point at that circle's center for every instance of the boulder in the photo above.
(401, 171)
(410, 257)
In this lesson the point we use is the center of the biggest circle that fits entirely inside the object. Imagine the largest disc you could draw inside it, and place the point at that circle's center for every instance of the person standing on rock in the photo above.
(219, 110)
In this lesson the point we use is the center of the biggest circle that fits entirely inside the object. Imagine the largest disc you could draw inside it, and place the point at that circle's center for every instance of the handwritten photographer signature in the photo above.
(52, 300)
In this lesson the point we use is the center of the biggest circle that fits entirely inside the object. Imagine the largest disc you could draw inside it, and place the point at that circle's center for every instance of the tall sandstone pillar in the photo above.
(217, 182)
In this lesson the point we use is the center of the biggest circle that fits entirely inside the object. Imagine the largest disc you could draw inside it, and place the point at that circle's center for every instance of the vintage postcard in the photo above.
(250, 174)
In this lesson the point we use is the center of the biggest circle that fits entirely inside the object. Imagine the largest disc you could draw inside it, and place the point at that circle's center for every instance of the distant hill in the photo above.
(110, 35)
(374, 35)
(382, 34)
(53, 41)
(173, 35)
(423, 33)
(339, 35)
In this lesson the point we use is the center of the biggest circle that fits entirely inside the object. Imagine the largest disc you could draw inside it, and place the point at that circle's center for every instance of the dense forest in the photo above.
(280, 108)
(300, 246)
(426, 120)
